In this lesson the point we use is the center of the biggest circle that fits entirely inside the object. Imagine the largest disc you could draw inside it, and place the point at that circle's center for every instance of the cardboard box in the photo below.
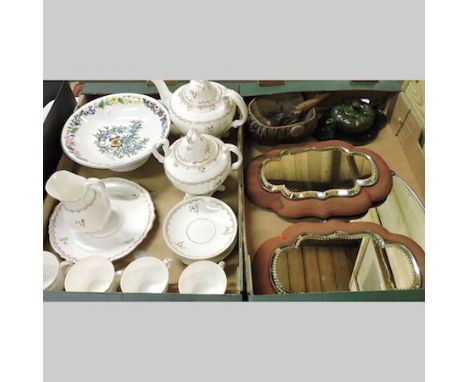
(392, 146)
(152, 177)
(397, 214)
(62, 107)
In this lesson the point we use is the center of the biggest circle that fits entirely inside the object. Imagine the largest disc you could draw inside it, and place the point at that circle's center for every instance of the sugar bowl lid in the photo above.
(195, 148)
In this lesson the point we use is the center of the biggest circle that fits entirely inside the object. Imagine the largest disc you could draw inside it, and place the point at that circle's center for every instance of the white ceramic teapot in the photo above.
(86, 206)
(205, 105)
(198, 164)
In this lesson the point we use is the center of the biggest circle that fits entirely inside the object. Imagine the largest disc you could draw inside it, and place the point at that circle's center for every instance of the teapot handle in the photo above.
(239, 101)
(236, 151)
(165, 145)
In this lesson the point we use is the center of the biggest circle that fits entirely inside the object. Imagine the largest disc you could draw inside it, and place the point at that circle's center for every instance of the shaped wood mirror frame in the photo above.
(318, 179)
(365, 256)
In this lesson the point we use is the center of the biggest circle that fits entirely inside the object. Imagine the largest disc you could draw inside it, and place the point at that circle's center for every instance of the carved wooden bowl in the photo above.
(267, 127)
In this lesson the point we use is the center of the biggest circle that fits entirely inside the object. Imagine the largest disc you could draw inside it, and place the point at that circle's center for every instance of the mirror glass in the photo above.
(320, 173)
(344, 262)
(315, 266)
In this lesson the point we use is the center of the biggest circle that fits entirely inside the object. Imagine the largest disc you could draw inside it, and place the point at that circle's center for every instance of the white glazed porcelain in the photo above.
(203, 277)
(198, 164)
(84, 202)
(92, 274)
(53, 272)
(146, 275)
(116, 132)
(131, 219)
(200, 228)
(204, 105)
(46, 109)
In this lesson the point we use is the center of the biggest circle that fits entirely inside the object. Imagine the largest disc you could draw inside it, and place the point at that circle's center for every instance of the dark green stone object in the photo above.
(354, 116)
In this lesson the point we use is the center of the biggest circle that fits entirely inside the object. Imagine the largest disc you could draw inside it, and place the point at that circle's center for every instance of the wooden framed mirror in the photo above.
(320, 179)
(337, 256)
(318, 172)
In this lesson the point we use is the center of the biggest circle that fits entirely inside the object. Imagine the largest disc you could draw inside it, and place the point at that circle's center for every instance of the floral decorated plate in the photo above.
(201, 228)
(116, 132)
(131, 219)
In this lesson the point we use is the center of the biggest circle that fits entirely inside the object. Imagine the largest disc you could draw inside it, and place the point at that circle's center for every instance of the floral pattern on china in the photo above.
(120, 141)
(110, 133)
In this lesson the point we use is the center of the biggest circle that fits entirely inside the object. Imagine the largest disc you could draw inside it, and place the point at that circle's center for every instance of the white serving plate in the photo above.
(46, 110)
(116, 132)
(200, 228)
(131, 219)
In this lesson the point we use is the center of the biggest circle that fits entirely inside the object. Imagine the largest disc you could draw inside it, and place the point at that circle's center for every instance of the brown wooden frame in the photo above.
(261, 263)
(335, 206)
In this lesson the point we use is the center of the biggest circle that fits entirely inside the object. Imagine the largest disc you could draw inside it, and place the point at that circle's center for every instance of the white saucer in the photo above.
(201, 228)
(131, 219)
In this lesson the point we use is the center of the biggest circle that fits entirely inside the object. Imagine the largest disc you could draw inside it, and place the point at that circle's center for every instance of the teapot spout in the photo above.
(164, 92)
(66, 186)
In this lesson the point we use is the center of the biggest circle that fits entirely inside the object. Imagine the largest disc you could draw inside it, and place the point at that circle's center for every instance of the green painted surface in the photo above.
(246, 89)
(134, 297)
(408, 295)
(390, 295)
(140, 87)
(253, 89)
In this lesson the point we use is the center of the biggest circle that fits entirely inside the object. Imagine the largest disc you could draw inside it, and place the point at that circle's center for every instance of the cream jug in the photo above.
(85, 203)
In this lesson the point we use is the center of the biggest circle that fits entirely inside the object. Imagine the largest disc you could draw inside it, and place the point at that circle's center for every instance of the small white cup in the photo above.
(146, 275)
(53, 272)
(92, 274)
(203, 277)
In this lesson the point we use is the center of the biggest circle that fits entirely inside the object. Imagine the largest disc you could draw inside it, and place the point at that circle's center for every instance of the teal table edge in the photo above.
(389, 295)
(245, 89)
(135, 297)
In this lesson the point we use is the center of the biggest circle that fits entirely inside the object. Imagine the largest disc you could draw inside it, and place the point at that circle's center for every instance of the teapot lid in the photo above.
(195, 148)
(200, 92)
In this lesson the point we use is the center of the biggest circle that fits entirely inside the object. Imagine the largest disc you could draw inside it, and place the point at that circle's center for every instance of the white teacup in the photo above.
(146, 275)
(53, 272)
(203, 277)
(92, 274)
